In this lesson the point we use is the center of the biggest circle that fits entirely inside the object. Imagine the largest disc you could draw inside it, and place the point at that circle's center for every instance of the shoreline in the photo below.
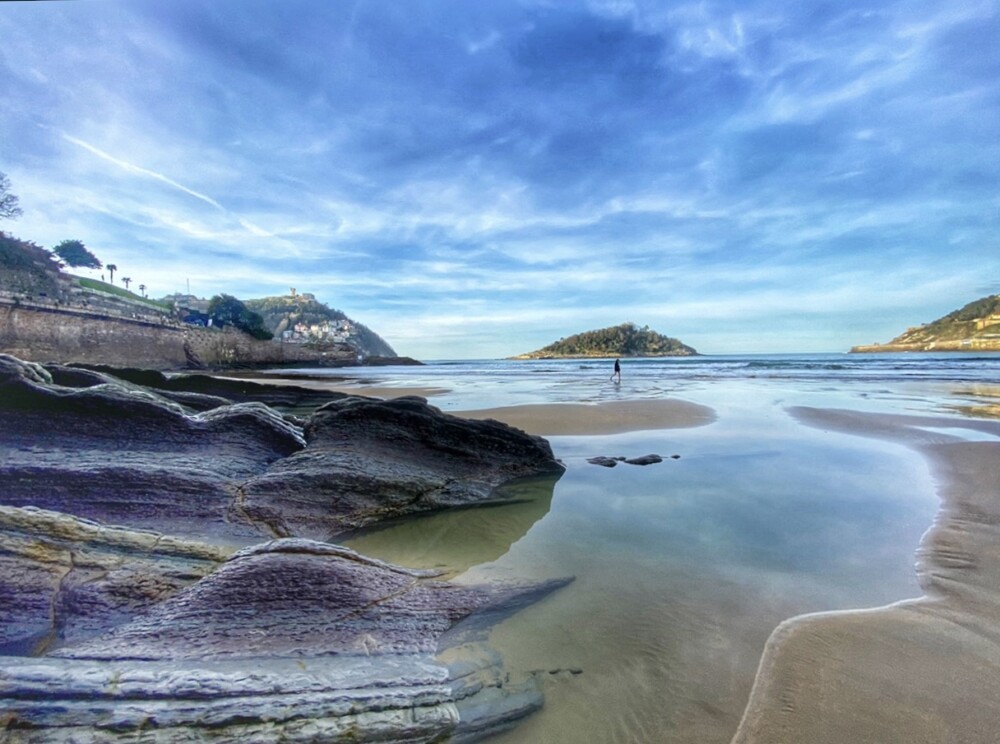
(902, 672)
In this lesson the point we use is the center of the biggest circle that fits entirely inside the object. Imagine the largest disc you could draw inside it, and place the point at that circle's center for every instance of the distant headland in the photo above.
(975, 327)
(625, 340)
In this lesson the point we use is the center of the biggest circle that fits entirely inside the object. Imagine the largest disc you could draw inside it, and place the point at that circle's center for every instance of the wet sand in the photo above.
(918, 671)
(555, 419)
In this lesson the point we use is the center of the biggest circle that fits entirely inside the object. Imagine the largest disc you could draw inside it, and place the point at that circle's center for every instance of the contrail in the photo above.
(142, 171)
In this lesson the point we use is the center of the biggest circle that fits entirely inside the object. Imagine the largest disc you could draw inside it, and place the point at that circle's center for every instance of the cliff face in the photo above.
(974, 327)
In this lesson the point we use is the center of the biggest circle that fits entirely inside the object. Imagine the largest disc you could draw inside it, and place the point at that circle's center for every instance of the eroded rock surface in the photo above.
(367, 460)
(120, 454)
(230, 389)
(290, 640)
(64, 579)
(150, 631)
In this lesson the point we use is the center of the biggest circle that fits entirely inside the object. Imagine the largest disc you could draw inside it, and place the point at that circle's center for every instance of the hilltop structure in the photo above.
(299, 318)
(975, 327)
(625, 340)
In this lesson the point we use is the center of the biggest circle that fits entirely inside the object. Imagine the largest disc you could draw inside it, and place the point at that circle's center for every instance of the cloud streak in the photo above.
(495, 176)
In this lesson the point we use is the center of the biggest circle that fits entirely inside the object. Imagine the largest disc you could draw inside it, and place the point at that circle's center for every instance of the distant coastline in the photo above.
(974, 327)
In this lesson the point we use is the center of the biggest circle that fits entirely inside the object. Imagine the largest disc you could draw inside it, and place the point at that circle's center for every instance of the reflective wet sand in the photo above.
(918, 671)
(684, 568)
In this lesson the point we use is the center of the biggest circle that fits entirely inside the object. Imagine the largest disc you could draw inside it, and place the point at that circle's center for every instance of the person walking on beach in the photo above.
(618, 371)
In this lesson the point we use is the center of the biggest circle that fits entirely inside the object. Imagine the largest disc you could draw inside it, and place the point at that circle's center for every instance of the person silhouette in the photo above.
(618, 371)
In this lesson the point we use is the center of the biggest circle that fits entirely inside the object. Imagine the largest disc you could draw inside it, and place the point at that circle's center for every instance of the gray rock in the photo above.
(119, 454)
(233, 390)
(367, 460)
(81, 377)
(606, 462)
(293, 641)
(64, 579)
(645, 460)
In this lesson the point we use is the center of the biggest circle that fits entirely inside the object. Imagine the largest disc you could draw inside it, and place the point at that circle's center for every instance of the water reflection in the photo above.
(455, 540)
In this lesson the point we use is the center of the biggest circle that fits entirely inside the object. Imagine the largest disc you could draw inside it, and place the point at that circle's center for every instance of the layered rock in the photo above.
(292, 640)
(367, 460)
(228, 389)
(150, 632)
(64, 579)
(124, 455)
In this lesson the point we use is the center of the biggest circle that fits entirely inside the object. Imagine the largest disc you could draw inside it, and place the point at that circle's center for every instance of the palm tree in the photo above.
(111, 270)
(126, 280)
(142, 288)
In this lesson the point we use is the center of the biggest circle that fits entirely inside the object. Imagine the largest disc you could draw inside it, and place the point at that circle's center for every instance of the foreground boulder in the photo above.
(291, 640)
(367, 460)
(118, 453)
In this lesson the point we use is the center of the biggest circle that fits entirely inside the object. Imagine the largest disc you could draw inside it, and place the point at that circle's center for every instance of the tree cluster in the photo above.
(625, 340)
(226, 310)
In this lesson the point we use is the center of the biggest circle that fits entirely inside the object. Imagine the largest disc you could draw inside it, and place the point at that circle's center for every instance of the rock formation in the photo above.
(368, 460)
(126, 616)
(291, 640)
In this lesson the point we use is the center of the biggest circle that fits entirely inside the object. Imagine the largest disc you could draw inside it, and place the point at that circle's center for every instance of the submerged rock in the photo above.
(292, 640)
(367, 460)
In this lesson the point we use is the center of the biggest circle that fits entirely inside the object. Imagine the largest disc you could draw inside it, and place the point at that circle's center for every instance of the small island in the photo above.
(625, 340)
(974, 327)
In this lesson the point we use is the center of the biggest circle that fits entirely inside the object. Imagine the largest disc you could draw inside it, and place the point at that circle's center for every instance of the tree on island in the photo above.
(227, 310)
(126, 280)
(9, 210)
(73, 253)
(142, 289)
(112, 268)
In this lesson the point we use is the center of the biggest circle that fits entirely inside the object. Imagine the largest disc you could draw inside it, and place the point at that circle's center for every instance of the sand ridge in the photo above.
(611, 417)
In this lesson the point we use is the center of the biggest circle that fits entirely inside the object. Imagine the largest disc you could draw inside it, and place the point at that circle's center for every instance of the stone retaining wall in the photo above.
(49, 333)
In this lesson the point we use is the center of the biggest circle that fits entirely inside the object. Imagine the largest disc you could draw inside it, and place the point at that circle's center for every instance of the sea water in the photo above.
(682, 569)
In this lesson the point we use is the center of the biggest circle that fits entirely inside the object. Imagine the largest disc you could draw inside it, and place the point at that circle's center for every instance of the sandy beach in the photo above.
(714, 585)
(915, 671)
(616, 417)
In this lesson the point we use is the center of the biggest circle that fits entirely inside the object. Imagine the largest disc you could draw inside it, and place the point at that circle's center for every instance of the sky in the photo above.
(479, 179)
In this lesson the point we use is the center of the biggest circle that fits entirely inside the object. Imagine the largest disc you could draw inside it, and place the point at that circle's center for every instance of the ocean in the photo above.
(682, 569)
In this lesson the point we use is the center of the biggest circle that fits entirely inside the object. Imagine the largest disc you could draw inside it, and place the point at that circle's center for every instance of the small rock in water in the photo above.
(645, 460)
(607, 462)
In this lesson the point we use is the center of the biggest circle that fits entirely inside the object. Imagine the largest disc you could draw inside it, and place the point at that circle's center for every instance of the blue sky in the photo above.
(478, 179)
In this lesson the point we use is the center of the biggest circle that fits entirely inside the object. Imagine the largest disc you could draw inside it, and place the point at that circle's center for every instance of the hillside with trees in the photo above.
(625, 340)
(974, 327)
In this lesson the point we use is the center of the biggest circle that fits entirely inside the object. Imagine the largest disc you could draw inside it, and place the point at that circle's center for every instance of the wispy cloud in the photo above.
(489, 177)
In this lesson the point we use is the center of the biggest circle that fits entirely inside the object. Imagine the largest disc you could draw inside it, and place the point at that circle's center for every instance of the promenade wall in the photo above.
(43, 331)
